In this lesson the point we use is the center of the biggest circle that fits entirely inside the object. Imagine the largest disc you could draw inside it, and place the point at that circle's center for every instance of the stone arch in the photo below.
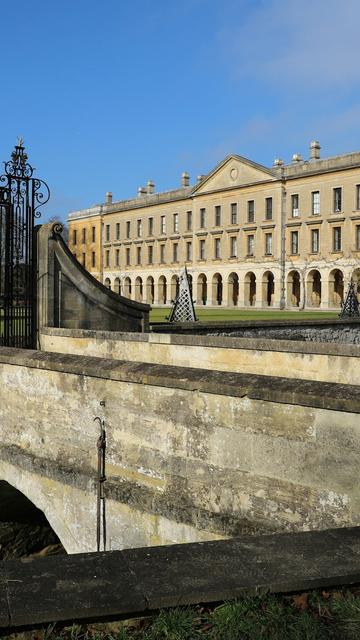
(293, 288)
(138, 289)
(117, 286)
(162, 290)
(268, 288)
(127, 287)
(107, 283)
(201, 294)
(313, 286)
(356, 280)
(336, 288)
(174, 287)
(31, 492)
(150, 290)
(233, 289)
(250, 289)
(217, 292)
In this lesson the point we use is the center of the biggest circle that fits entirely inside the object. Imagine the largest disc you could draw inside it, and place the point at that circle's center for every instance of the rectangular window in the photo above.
(202, 249)
(188, 251)
(162, 253)
(84, 236)
(74, 237)
(315, 203)
(117, 257)
(233, 247)
(202, 218)
(294, 248)
(357, 204)
(217, 215)
(337, 239)
(138, 255)
(268, 244)
(151, 227)
(163, 224)
(150, 254)
(337, 199)
(128, 229)
(127, 256)
(176, 223)
(189, 220)
(217, 253)
(117, 231)
(175, 252)
(268, 208)
(295, 205)
(315, 237)
(93, 259)
(83, 259)
(233, 213)
(357, 237)
(107, 258)
(107, 233)
(93, 232)
(251, 211)
(250, 245)
(139, 228)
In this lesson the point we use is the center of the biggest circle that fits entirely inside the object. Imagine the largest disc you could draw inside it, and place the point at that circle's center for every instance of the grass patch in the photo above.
(159, 314)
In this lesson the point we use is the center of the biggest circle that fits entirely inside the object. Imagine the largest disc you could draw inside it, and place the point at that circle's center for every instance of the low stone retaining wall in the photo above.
(289, 358)
(192, 454)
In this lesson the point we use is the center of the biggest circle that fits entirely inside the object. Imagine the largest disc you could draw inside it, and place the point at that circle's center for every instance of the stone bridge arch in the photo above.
(37, 491)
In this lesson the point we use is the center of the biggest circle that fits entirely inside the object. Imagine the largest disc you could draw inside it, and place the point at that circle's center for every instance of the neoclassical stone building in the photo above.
(251, 236)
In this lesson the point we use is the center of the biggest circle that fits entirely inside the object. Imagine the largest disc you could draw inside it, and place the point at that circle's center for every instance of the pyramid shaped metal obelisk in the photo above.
(350, 307)
(183, 307)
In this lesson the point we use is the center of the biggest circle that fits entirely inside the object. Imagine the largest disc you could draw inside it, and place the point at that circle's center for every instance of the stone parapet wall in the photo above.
(334, 362)
(192, 454)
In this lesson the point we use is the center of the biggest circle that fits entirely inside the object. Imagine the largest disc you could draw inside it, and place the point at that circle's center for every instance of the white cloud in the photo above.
(312, 44)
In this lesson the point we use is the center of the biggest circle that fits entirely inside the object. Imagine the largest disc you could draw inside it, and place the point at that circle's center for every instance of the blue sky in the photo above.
(108, 94)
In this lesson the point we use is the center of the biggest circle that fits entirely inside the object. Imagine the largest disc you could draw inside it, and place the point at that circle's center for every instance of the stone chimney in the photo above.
(108, 197)
(141, 191)
(150, 187)
(315, 150)
(201, 178)
(185, 179)
(278, 162)
(297, 157)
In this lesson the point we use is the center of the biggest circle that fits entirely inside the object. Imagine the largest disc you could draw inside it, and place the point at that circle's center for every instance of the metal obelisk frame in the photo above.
(183, 307)
(21, 195)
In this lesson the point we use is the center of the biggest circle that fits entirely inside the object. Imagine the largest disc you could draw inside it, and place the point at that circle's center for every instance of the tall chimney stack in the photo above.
(150, 186)
(185, 179)
(315, 150)
(141, 191)
(108, 197)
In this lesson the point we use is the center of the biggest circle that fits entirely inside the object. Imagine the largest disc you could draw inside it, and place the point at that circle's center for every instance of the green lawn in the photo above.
(219, 315)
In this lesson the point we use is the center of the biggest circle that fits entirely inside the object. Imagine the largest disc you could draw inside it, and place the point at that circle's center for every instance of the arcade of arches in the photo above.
(254, 288)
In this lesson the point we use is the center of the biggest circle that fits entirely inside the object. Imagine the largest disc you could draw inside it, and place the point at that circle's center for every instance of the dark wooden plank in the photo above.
(213, 571)
(102, 586)
(80, 586)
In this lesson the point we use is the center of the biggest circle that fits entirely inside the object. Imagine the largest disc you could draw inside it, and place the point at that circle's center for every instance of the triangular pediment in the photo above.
(234, 171)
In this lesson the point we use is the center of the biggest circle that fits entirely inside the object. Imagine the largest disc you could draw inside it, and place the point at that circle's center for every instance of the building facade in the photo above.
(250, 236)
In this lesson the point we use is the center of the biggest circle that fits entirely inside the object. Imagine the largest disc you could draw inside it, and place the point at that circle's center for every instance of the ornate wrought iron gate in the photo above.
(21, 195)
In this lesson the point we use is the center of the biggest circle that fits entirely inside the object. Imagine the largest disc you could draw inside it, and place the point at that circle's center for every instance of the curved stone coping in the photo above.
(228, 342)
(293, 391)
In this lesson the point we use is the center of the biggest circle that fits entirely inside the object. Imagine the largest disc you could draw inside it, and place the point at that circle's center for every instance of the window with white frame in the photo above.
(233, 246)
(315, 203)
(176, 223)
(250, 244)
(217, 251)
(117, 231)
(107, 233)
(202, 250)
(189, 220)
(150, 254)
(251, 211)
(268, 244)
(127, 256)
(357, 203)
(337, 197)
(162, 253)
(138, 255)
(202, 218)
(337, 239)
(295, 205)
(188, 251)
(268, 208)
(217, 215)
(151, 227)
(128, 225)
(175, 252)
(315, 240)
(233, 213)
(139, 228)
(117, 257)
(294, 243)
(163, 224)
